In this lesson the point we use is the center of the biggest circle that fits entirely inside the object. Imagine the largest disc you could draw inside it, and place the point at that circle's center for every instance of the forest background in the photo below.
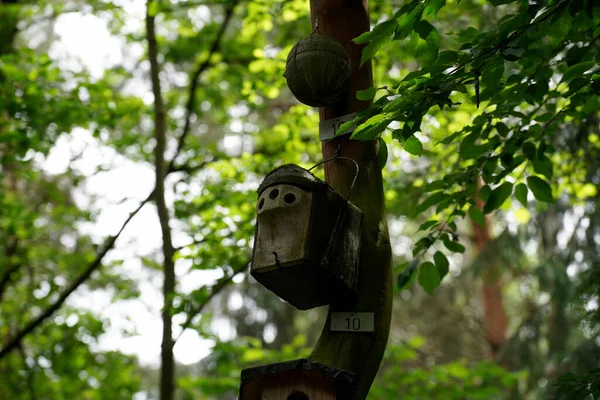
(133, 137)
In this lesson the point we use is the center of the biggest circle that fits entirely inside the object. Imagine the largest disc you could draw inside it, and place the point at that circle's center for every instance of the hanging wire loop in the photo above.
(317, 17)
(337, 156)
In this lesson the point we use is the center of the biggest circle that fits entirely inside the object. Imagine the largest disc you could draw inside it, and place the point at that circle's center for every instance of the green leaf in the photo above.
(560, 29)
(364, 130)
(432, 7)
(447, 57)
(435, 185)
(512, 53)
(432, 200)
(484, 192)
(544, 117)
(468, 35)
(385, 28)
(453, 245)
(502, 129)
(346, 126)
(521, 194)
(477, 215)
(413, 146)
(493, 72)
(405, 276)
(498, 197)
(543, 166)
(441, 263)
(367, 94)
(406, 21)
(372, 48)
(426, 42)
(540, 188)
(535, 92)
(577, 70)
(252, 355)
(152, 8)
(383, 153)
(426, 225)
(429, 277)
(529, 150)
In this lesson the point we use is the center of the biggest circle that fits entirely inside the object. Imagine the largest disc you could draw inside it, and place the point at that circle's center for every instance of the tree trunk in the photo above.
(360, 353)
(495, 320)
(167, 372)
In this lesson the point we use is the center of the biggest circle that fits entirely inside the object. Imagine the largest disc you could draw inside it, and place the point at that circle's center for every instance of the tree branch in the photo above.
(214, 290)
(192, 4)
(190, 244)
(16, 340)
(190, 169)
(191, 103)
(167, 370)
(9, 251)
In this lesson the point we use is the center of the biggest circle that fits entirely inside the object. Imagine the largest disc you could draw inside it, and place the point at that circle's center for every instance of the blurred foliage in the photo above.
(570, 386)
(527, 76)
(399, 376)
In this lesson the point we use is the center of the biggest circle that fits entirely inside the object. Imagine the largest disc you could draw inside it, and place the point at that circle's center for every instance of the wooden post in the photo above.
(345, 361)
(357, 352)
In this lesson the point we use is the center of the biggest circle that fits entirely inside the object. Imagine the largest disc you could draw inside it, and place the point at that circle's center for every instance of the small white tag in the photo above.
(353, 321)
(329, 129)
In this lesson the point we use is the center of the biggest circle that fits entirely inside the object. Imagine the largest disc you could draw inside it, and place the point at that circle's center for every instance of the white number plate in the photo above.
(353, 322)
(329, 129)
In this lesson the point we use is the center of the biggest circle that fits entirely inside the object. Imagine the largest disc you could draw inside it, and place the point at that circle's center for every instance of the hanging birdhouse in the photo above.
(307, 240)
(317, 71)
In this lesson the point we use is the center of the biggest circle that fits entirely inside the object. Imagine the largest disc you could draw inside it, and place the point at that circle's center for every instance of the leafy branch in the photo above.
(16, 340)
(195, 80)
(10, 250)
(213, 291)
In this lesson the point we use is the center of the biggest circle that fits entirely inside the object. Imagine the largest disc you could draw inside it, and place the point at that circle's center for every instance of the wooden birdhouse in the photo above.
(307, 240)
(297, 380)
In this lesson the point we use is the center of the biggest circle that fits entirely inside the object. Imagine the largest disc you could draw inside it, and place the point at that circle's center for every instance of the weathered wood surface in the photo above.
(360, 353)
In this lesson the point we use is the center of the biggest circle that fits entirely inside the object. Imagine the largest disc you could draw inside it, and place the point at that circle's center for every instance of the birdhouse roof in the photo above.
(291, 174)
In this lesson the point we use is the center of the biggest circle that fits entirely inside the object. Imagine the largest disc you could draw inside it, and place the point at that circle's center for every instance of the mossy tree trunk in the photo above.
(360, 353)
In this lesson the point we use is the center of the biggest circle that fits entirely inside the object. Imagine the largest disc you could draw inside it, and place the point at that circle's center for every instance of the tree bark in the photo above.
(167, 371)
(360, 353)
(495, 320)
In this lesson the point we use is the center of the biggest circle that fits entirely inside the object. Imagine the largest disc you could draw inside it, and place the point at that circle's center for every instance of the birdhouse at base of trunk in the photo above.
(307, 240)
(297, 380)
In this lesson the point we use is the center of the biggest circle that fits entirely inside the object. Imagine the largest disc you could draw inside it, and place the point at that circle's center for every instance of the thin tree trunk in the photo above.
(495, 320)
(167, 371)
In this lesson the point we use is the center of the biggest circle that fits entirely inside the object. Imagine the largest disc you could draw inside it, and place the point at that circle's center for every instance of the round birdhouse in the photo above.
(307, 239)
(318, 71)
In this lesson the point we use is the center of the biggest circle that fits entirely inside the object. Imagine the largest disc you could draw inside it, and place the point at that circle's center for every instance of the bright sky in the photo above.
(96, 50)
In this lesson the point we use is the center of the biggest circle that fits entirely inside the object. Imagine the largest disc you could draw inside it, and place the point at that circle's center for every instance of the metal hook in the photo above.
(337, 156)
(317, 18)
